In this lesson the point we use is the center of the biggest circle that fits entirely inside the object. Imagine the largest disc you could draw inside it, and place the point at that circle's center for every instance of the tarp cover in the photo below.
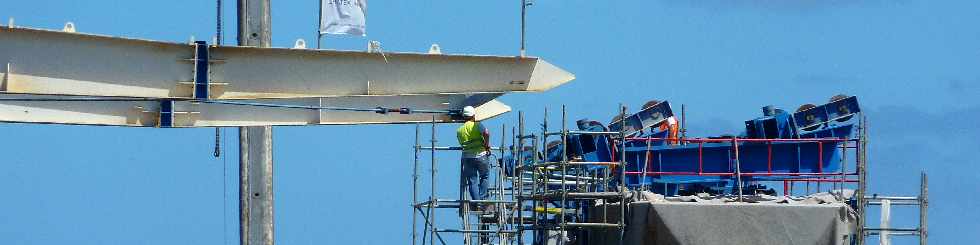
(768, 221)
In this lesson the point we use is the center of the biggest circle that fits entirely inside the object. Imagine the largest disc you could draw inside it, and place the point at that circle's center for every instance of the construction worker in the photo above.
(474, 139)
(673, 131)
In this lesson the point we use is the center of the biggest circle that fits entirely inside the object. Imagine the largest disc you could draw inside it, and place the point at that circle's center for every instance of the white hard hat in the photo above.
(469, 111)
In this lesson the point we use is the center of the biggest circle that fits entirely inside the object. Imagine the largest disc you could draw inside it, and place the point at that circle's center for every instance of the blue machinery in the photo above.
(555, 186)
(597, 163)
(810, 144)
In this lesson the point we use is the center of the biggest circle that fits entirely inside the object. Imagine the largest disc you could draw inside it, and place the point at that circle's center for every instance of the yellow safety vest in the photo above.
(470, 138)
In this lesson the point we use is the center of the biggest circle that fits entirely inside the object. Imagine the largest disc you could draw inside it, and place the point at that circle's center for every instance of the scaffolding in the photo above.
(491, 224)
(560, 197)
(864, 200)
(884, 231)
(562, 191)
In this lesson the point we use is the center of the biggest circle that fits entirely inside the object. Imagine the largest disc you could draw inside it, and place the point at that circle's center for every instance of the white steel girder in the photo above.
(144, 112)
(64, 63)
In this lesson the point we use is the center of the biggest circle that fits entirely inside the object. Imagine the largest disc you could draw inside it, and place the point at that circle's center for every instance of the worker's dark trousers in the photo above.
(475, 172)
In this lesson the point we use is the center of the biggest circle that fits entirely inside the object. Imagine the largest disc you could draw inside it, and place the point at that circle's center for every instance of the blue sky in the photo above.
(911, 62)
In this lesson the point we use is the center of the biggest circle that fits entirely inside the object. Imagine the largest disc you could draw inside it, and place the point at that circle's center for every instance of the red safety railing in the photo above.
(817, 177)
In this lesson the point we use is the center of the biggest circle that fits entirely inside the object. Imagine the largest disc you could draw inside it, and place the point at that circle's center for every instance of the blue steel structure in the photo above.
(776, 146)
(810, 145)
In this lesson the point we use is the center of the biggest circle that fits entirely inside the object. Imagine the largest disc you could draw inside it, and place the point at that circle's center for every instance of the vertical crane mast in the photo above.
(255, 143)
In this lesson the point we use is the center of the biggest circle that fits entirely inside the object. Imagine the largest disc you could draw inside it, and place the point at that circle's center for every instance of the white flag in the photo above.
(342, 17)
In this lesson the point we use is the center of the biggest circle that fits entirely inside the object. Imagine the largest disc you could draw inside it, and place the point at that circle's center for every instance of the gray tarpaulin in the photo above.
(716, 221)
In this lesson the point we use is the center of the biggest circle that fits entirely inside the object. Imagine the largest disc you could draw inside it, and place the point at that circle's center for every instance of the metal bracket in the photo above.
(201, 74)
(435, 49)
(191, 83)
(168, 114)
(69, 27)
(384, 110)
(201, 83)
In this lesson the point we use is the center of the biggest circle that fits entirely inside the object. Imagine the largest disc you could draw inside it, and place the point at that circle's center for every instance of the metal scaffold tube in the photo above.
(924, 210)
(564, 172)
(415, 184)
(432, 193)
(738, 170)
(542, 176)
(519, 177)
(622, 174)
(500, 207)
(862, 167)
(516, 179)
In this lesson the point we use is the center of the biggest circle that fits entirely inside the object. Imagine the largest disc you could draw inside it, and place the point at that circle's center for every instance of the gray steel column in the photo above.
(255, 186)
(254, 23)
(255, 143)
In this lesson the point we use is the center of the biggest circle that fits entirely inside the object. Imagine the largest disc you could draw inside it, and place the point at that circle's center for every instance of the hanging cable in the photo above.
(224, 196)
(219, 32)
(217, 142)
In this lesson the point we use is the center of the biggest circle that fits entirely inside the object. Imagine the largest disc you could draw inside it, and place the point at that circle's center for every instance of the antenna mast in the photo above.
(524, 5)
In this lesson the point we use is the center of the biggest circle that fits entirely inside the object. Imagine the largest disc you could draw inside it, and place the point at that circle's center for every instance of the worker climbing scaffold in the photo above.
(486, 212)
(475, 141)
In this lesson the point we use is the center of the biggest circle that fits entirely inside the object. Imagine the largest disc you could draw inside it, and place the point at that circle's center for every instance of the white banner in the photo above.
(344, 17)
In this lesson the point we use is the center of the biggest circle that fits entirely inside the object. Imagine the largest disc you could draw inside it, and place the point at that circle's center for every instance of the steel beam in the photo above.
(142, 112)
(63, 63)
